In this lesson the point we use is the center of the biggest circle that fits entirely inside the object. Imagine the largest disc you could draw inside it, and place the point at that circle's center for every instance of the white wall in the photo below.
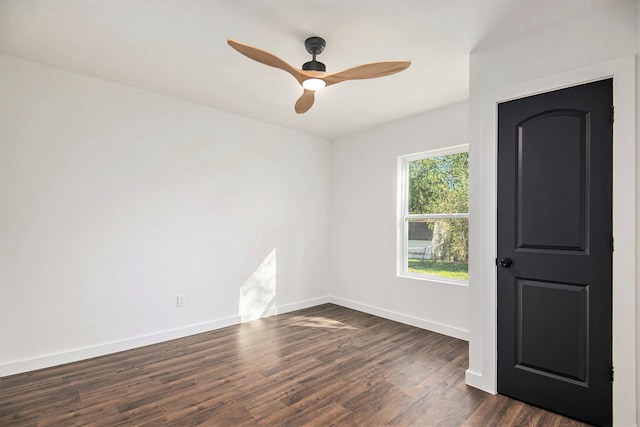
(596, 45)
(364, 221)
(637, 210)
(115, 200)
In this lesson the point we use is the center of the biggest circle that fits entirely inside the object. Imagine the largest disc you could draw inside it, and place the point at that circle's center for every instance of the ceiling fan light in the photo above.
(314, 84)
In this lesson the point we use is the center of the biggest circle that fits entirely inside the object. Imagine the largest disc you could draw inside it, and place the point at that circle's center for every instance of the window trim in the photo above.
(404, 216)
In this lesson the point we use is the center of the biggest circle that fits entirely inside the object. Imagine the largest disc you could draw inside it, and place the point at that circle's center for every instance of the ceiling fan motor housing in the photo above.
(314, 66)
(315, 46)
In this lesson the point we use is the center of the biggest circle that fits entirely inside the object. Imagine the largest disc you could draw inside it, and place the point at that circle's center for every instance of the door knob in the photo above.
(506, 262)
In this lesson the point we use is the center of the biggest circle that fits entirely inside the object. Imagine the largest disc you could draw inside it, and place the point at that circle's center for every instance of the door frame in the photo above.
(482, 372)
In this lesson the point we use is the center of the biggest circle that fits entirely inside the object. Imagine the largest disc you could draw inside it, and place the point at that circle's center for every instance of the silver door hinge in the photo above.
(612, 374)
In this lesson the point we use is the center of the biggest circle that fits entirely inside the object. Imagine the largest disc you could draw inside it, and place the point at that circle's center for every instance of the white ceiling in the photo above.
(178, 48)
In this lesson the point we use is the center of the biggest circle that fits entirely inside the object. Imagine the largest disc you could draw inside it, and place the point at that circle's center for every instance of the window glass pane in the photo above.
(439, 247)
(439, 185)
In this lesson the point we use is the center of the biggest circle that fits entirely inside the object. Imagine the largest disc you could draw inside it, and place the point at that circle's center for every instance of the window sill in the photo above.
(437, 279)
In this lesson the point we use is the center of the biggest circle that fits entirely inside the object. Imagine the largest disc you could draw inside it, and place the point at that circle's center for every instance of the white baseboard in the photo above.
(287, 308)
(403, 318)
(75, 355)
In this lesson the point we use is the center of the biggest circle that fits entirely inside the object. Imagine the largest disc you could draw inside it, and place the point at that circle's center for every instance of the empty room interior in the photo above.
(189, 235)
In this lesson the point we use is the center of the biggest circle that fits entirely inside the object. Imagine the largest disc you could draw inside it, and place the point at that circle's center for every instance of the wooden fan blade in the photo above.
(367, 71)
(267, 58)
(305, 101)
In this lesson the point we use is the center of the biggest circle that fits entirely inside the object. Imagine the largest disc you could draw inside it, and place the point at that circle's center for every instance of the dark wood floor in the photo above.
(322, 366)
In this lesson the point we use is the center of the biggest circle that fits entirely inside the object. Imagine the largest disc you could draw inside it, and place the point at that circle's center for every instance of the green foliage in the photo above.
(440, 185)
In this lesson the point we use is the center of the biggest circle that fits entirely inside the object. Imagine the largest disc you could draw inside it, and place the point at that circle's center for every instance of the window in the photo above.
(434, 215)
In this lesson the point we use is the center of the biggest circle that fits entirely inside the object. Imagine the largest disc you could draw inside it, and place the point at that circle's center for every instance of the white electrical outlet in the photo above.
(180, 301)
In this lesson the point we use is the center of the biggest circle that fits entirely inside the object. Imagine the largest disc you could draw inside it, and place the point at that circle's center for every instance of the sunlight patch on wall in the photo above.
(257, 295)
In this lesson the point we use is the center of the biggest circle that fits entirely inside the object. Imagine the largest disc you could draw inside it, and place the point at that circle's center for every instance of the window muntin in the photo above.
(435, 218)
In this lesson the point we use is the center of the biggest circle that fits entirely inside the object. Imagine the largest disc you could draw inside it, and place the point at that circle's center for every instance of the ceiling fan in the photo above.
(313, 75)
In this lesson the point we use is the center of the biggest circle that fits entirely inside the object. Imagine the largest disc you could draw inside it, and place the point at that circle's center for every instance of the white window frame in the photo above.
(404, 216)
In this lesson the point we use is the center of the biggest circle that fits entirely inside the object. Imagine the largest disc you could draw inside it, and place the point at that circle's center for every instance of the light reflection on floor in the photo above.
(318, 322)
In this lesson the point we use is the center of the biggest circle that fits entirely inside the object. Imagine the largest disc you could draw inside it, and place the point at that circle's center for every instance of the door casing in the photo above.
(482, 372)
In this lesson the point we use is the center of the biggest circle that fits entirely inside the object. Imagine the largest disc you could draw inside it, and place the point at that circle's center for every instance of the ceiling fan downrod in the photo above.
(315, 46)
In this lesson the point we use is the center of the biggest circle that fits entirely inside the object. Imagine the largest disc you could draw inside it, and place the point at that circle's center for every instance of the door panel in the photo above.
(554, 237)
(548, 203)
(554, 313)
